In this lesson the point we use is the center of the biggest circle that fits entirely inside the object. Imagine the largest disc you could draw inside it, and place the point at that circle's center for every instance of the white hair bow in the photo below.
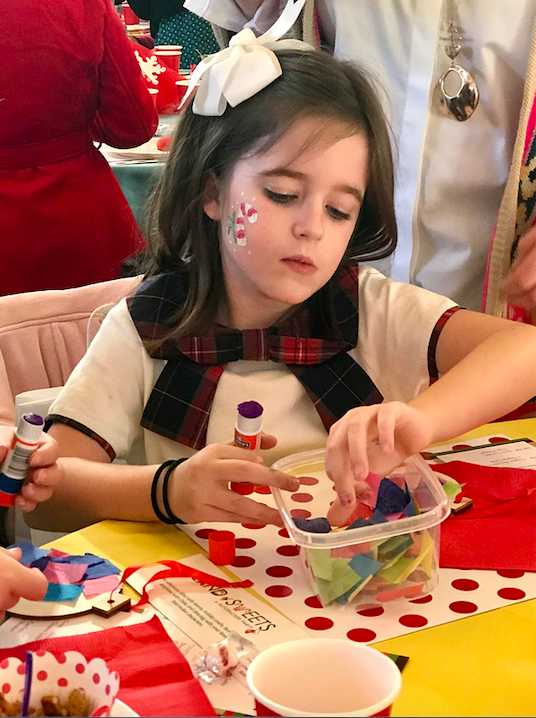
(244, 68)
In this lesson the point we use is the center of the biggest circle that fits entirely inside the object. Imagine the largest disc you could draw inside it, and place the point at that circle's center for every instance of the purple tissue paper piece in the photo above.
(391, 498)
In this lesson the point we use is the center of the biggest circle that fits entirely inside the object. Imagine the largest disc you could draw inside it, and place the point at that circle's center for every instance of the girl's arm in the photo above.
(488, 368)
(93, 489)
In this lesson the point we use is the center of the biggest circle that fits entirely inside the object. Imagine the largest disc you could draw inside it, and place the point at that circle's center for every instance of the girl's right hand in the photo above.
(199, 488)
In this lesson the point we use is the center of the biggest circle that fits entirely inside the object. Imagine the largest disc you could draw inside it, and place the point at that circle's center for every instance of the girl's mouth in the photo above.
(300, 264)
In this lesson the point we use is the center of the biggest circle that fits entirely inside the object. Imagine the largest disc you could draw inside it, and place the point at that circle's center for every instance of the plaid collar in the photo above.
(313, 343)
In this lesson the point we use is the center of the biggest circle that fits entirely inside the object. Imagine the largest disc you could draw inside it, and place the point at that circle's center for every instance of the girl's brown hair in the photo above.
(181, 238)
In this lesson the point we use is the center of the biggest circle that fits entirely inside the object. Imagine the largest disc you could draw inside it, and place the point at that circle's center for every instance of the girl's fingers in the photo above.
(386, 423)
(46, 454)
(358, 440)
(338, 467)
(268, 441)
(241, 509)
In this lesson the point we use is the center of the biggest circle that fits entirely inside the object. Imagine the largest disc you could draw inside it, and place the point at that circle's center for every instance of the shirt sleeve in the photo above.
(397, 323)
(104, 396)
(126, 116)
(230, 14)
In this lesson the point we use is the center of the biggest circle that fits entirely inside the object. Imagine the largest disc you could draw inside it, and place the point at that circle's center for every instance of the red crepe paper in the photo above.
(179, 570)
(156, 679)
(499, 531)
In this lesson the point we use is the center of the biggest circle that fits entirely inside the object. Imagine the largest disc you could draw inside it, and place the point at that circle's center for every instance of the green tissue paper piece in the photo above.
(320, 562)
(452, 489)
(393, 574)
(343, 579)
(395, 546)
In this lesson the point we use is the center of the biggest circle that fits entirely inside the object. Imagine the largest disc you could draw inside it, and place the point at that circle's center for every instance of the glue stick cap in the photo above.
(30, 428)
(221, 547)
(249, 419)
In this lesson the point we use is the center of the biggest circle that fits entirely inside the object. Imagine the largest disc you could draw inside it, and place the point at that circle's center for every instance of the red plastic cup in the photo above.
(323, 677)
(169, 55)
(221, 547)
(129, 16)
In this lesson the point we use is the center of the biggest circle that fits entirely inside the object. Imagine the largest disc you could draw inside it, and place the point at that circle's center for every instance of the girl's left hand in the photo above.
(43, 475)
(372, 439)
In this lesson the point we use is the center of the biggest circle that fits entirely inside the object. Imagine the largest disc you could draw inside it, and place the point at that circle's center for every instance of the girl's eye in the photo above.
(337, 214)
(278, 197)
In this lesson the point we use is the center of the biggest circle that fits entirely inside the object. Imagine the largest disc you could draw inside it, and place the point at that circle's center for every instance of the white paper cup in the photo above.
(58, 677)
(323, 677)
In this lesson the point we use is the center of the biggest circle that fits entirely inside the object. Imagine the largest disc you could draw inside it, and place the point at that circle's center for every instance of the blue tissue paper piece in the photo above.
(410, 510)
(40, 563)
(96, 566)
(318, 525)
(62, 592)
(391, 498)
(30, 552)
(376, 518)
(364, 566)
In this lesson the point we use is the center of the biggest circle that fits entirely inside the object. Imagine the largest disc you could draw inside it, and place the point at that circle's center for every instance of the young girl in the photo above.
(255, 292)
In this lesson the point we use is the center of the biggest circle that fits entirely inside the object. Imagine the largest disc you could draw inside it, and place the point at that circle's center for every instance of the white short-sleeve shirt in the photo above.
(108, 390)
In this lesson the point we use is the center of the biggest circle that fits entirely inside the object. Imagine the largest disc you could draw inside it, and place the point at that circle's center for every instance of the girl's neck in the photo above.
(244, 317)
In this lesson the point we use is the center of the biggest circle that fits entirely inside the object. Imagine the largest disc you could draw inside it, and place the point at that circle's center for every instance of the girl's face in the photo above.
(286, 218)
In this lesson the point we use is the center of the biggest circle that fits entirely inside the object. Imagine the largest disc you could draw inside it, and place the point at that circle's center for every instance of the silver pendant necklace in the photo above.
(456, 94)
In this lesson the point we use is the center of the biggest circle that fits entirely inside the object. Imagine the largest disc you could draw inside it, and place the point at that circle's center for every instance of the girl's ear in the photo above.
(211, 197)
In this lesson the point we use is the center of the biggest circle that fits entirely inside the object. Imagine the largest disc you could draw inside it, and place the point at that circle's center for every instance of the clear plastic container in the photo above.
(371, 564)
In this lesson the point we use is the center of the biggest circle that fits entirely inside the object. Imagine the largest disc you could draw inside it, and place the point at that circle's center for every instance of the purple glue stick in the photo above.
(15, 465)
(248, 436)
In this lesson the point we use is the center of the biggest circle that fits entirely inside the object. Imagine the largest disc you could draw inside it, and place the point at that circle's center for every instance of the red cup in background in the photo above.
(129, 16)
(323, 677)
(169, 55)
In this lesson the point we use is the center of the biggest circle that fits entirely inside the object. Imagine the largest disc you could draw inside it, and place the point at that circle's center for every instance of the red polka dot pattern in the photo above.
(80, 668)
(422, 599)
(465, 584)
(40, 652)
(463, 607)
(245, 543)
(313, 602)
(62, 682)
(288, 550)
(361, 635)
(3, 665)
(372, 612)
(283, 533)
(510, 573)
(42, 675)
(411, 620)
(107, 690)
(96, 678)
(243, 562)
(253, 526)
(203, 533)
(6, 688)
(301, 497)
(319, 623)
(457, 447)
(61, 658)
(308, 481)
(279, 571)
(497, 439)
(511, 594)
(278, 591)
(300, 514)
(20, 669)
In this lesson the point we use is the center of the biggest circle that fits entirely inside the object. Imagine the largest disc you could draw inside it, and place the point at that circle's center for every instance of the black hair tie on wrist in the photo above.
(170, 465)
(165, 497)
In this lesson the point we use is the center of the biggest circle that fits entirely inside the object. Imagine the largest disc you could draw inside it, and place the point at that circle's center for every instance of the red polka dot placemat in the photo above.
(266, 556)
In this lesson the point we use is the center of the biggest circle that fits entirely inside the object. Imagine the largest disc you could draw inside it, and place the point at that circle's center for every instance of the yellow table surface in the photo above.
(483, 665)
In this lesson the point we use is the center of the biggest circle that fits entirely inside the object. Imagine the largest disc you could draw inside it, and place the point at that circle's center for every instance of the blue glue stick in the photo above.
(15, 465)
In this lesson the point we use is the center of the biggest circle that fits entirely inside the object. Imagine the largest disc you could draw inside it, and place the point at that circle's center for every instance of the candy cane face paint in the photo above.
(293, 212)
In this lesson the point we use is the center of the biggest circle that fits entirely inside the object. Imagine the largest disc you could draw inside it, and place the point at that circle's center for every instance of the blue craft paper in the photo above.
(97, 566)
(391, 498)
(364, 566)
(376, 518)
(30, 552)
(410, 509)
(62, 592)
(40, 563)
(318, 525)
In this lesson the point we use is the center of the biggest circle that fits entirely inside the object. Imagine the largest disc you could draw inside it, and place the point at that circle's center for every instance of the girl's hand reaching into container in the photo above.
(370, 439)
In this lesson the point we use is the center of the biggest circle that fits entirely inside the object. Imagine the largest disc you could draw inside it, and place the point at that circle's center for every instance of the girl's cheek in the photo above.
(241, 215)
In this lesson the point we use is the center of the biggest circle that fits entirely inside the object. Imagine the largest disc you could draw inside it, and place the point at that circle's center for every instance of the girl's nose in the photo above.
(309, 221)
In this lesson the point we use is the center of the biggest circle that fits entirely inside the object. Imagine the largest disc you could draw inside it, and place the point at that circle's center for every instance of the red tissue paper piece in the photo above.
(155, 678)
(499, 531)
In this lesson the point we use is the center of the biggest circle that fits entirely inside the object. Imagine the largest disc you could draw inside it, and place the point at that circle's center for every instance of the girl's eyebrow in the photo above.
(293, 174)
